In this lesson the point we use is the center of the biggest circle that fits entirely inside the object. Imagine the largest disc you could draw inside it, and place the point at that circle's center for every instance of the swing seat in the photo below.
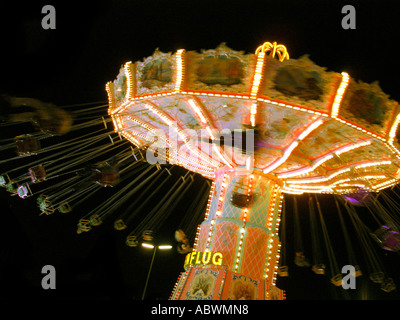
(12, 187)
(377, 277)
(95, 220)
(358, 271)
(83, 226)
(180, 236)
(37, 173)
(283, 271)
(387, 238)
(24, 191)
(64, 207)
(184, 248)
(337, 279)
(27, 145)
(4, 180)
(132, 241)
(106, 178)
(318, 268)
(147, 235)
(45, 205)
(388, 285)
(119, 224)
(300, 260)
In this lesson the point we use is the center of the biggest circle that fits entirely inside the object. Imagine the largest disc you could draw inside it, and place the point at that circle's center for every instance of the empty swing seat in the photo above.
(95, 220)
(83, 226)
(300, 260)
(388, 285)
(132, 241)
(337, 279)
(64, 207)
(27, 145)
(377, 277)
(106, 178)
(283, 271)
(147, 235)
(318, 268)
(119, 224)
(24, 191)
(37, 173)
(387, 238)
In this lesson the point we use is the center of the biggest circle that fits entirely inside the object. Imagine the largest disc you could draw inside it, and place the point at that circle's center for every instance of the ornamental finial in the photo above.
(274, 48)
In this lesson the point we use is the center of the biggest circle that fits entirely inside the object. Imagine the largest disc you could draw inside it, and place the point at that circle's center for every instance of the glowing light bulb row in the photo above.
(172, 124)
(319, 179)
(130, 92)
(207, 172)
(352, 147)
(180, 69)
(196, 238)
(393, 149)
(257, 74)
(309, 169)
(253, 113)
(277, 257)
(110, 96)
(393, 129)
(361, 129)
(293, 190)
(199, 111)
(292, 106)
(114, 120)
(196, 108)
(323, 159)
(187, 161)
(299, 189)
(271, 209)
(278, 216)
(176, 292)
(221, 198)
(269, 257)
(342, 182)
(249, 191)
(384, 184)
(339, 94)
(210, 198)
(119, 124)
(142, 123)
(193, 164)
(338, 172)
(130, 136)
(282, 159)
(239, 251)
(355, 185)
(218, 211)
(293, 145)
(373, 164)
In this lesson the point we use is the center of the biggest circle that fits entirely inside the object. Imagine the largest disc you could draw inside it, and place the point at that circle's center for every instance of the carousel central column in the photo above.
(237, 251)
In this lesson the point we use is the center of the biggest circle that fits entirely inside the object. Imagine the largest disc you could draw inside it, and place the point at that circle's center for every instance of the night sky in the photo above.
(72, 64)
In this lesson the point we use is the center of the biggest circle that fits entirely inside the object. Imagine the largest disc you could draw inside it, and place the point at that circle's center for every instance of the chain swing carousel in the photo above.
(258, 126)
(314, 131)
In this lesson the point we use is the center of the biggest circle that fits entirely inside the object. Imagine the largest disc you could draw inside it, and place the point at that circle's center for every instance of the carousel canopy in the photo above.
(317, 130)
